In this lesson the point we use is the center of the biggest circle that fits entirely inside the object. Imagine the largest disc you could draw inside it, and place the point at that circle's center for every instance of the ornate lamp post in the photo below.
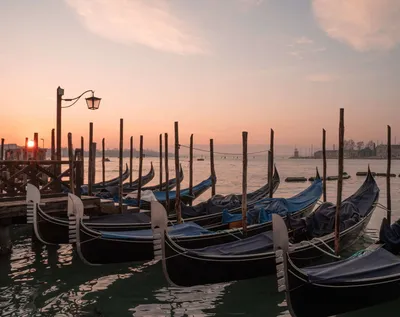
(93, 103)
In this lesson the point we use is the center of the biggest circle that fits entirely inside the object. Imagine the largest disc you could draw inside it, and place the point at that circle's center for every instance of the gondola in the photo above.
(145, 180)
(103, 247)
(367, 278)
(210, 212)
(161, 196)
(112, 182)
(254, 256)
(164, 186)
(113, 192)
(54, 230)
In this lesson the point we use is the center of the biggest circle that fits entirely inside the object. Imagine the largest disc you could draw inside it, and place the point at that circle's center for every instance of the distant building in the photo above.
(333, 154)
(296, 153)
(330, 154)
(381, 151)
(15, 152)
(367, 152)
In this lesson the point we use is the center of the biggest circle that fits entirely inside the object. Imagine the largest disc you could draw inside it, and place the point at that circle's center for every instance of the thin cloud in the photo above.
(297, 54)
(321, 78)
(303, 46)
(148, 22)
(252, 3)
(304, 40)
(362, 24)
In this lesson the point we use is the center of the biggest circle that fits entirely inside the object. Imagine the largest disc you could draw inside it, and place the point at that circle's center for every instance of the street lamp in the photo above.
(42, 142)
(93, 103)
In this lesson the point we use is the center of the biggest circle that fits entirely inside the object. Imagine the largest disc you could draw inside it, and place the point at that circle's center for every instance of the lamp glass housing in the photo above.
(93, 103)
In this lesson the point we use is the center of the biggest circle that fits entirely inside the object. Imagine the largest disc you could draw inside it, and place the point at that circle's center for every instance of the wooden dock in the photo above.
(14, 212)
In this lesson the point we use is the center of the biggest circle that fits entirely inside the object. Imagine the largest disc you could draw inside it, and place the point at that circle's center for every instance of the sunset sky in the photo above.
(217, 66)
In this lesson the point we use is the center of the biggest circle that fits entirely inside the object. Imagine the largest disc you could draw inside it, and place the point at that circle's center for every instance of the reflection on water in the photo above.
(38, 280)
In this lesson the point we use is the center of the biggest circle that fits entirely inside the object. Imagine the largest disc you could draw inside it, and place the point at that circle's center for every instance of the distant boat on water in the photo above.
(107, 159)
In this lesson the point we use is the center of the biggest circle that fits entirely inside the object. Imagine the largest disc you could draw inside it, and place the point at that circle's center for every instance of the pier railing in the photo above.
(15, 175)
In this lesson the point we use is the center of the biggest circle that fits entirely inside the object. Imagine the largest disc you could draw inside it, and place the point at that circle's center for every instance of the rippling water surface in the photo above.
(38, 280)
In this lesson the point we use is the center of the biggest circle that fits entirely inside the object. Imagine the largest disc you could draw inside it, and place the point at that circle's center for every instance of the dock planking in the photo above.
(12, 211)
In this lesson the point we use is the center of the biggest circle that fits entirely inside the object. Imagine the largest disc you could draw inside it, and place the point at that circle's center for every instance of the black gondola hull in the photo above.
(311, 300)
(100, 250)
(181, 265)
(50, 230)
(96, 250)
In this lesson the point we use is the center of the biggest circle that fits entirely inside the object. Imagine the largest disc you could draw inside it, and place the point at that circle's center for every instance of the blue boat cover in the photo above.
(260, 243)
(262, 211)
(371, 264)
(162, 196)
(179, 230)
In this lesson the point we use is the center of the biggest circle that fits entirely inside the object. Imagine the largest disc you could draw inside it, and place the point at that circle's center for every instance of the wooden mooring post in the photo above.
(166, 171)
(340, 182)
(389, 164)
(212, 167)
(324, 164)
(139, 195)
(271, 164)
(53, 144)
(26, 149)
(191, 168)
(161, 165)
(103, 161)
(121, 162)
(71, 163)
(2, 150)
(244, 183)
(94, 152)
(83, 159)
(90, 168)
(178, 184)
(35, 146)
(130, 161)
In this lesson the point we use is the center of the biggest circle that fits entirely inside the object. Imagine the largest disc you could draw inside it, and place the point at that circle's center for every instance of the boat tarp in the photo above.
(214, 205)
(322, 221)
(262, 211)
(162, 196)
(371, 264)
(137, 217)
(179, 230)
(218, 203)
(260, 243)
(390, 236)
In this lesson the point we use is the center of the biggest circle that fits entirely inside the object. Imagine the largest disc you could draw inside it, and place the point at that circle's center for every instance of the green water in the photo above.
(38, 280)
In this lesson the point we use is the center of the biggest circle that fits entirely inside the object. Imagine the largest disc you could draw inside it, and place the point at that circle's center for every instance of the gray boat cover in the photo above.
(390, 236)
(178, 230)
(322, 221)
(260, 243)
(138, 217)
(376, 264)
(231, 202)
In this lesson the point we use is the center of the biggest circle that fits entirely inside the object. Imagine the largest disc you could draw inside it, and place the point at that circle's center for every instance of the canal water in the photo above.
(38, 280)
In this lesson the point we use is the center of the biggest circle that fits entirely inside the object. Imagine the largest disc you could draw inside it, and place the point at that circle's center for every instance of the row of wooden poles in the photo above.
(340, 176)
(92, 157)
